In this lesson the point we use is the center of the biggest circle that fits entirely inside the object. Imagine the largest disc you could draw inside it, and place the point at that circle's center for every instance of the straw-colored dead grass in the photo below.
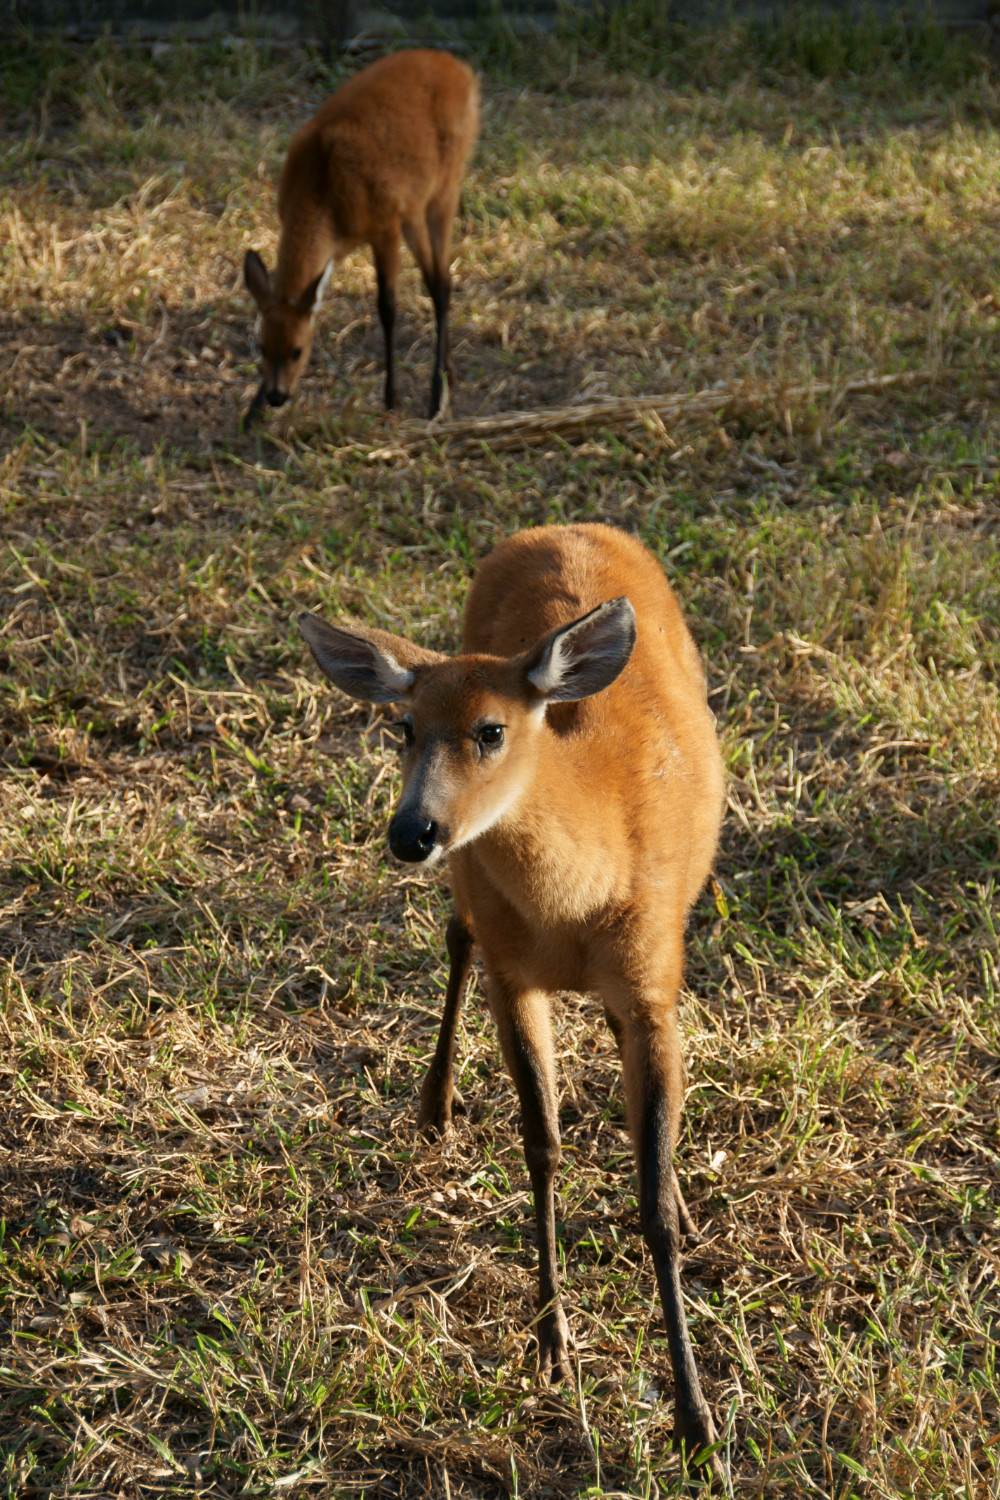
(523, 429)
(226, 1264)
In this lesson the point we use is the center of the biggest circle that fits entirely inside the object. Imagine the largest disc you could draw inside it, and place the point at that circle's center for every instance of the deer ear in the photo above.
(314, 292)
(256, 279)
(370, 665)
(582, 658)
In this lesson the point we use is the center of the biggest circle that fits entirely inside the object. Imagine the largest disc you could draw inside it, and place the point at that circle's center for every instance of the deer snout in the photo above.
(277, 398)
(413, 837)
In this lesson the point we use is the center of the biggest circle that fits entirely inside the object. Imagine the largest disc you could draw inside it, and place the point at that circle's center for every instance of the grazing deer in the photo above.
(567, 765)
(383, 157)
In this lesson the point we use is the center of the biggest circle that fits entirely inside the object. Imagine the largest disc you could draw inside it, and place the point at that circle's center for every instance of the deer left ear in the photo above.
(313, 295)
(370, 665)
(256, 279)
(582, 658)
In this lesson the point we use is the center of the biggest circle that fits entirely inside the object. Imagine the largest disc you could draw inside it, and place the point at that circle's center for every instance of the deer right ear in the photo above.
(582, 658)
(370, 665)
(256, 279)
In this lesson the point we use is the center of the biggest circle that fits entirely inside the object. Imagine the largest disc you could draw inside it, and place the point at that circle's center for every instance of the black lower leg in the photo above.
(438, 1095)
(687, 1223)
(441, 295)
(387, 315)
(659, 1217)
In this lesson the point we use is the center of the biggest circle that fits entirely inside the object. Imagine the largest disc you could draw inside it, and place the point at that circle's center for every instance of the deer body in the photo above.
(382, 158)
(567, 765)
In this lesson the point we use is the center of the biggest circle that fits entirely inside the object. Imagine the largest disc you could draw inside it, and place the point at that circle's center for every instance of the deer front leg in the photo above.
(439, 1096)
(654, 1092)
(522, 1018)
(687, 1223)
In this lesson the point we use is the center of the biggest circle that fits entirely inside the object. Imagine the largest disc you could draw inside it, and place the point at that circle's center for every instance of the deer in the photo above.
(566, 765)
(382, 158)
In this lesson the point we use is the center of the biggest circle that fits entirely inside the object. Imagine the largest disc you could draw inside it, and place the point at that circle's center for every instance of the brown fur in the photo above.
(575, 853)
(382, 158)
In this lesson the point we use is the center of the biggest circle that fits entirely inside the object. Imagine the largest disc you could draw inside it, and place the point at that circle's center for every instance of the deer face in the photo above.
(471, 724)
(469, 730)
(286, 329)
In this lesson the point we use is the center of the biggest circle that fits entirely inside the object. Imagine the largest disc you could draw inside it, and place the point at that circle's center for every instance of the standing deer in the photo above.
(383, 157)
(567, 765)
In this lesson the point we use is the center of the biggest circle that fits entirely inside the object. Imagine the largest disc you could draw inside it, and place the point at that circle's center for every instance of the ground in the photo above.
(227, 1264)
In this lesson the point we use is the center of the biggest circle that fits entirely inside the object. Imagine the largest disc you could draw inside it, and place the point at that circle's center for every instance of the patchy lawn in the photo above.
(227, 1265)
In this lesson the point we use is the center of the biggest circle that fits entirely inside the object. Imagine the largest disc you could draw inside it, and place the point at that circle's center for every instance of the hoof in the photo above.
(694, 1432)
(438, 1102)
(440, 398)
(552, 1333)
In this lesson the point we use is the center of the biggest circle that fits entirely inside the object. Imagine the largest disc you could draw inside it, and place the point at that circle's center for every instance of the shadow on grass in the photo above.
(182, 382)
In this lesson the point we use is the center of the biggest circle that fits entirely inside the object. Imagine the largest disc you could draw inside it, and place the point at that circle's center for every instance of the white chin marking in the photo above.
(470, 837)
(490, 821)
(435, 856)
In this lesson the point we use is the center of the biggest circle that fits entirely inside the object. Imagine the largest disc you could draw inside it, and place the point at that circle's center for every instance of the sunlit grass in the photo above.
(226, 1264)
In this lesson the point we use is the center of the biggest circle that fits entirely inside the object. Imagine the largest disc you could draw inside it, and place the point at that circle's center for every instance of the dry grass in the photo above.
(523, 429)
(226, 1265)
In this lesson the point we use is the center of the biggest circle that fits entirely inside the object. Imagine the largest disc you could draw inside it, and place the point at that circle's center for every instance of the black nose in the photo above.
(412, 837)
(277, 398)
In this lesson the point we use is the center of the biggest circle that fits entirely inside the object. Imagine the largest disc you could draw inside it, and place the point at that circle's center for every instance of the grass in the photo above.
(227, 1266)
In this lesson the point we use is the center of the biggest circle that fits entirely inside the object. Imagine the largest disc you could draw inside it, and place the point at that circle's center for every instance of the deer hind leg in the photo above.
(386, 251)
(684, 1213)
(439, 1097)
(522, 1018)
(440, 222)
(654, 1093)
(430, 241)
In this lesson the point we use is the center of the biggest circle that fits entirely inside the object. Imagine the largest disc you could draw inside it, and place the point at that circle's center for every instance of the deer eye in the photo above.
(297, 353)
(490, 736)
(406, 730)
